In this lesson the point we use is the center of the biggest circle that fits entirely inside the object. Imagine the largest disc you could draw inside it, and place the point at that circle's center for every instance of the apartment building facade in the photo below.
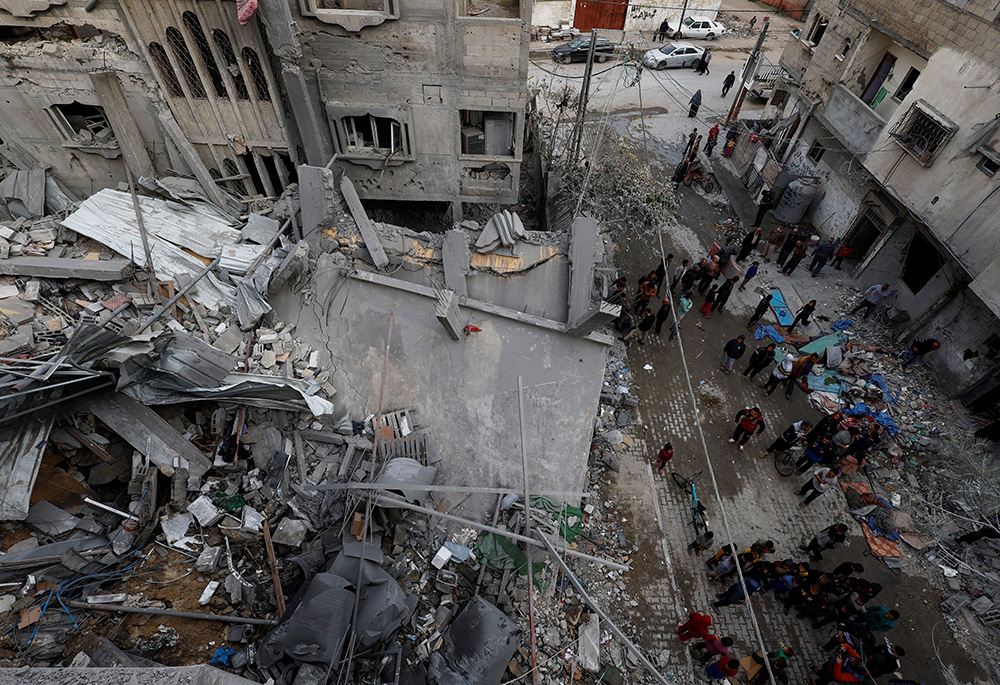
(893, 108)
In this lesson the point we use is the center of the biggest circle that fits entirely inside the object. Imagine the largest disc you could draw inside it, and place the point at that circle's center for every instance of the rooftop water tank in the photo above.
(795, 201)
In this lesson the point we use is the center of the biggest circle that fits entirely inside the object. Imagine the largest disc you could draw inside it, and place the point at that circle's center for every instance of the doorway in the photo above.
(866, 231)
(871, 92)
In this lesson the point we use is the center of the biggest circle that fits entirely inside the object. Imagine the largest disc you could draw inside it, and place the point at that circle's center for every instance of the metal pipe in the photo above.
(267, 250)
(395, 485)
(174, 614)
(604, 617)
(153, 287)
(279, 596)
(403, 504)
(105, 507)
(180, 293)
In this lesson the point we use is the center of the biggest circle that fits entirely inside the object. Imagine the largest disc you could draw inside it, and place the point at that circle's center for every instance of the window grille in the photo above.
(205, 50)
(257, 73)
(163, 66)
(232, 170)
(225, 47)
(922, 132)
(186, 63)
(375, 134)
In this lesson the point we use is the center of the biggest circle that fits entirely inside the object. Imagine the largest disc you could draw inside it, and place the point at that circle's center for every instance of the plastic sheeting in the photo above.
(316, 630)
(250, 305)
(477, 647)
(382, 604)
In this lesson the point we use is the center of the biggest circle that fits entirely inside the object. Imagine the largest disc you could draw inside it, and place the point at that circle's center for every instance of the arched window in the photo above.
(166, 70)
(845, 48)
(225, 47)
(205, 50)
(259, 80)
(186, 63)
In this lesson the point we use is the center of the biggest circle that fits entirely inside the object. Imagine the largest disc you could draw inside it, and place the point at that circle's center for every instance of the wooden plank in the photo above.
(368, 232)
(191, 158)
(112, 96)
(90, 444)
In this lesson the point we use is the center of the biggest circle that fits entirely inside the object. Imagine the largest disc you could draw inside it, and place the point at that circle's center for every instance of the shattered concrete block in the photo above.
(4, 249)
(290, 532)
(176, 528)
(206, 595)
(208, 560)
(252, 521)
(590, 644)
(206, 512)
(234, 588)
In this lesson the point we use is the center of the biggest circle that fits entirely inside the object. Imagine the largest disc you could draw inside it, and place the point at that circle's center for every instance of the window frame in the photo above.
(515, 152)
(339, 113)
(900, 131)
(896, 95)
(818, 22)
(816, 151)
(351, 20)
(67, 132)
(989, 156)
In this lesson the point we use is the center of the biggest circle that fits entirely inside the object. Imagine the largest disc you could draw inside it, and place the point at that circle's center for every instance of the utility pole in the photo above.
(749, 71)
(581, 110)
(680, 24)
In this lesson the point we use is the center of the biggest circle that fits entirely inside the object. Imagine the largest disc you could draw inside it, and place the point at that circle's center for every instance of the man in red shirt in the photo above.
(747, 422)
(696, 626)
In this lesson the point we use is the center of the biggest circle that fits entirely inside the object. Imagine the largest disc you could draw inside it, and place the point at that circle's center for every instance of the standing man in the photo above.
(822, 480)
(690, 143)
(786, 247)
(695, 103)
(713, 140)
(781, 372)
(727, 84)
(797, 256)
(766, 203)
(661, 314)
(662, 32)
(647, 322)
(684, 305)
(843, 253)
(678, 274)
(803, 316)
(918, 349)
(750, 240)
(800, 368)
(762, 358)
(747, 422)
(873, 297)
(821, 256)
(725, 290)
(702, 67)
(774, 240)
(761, 309)
(828, 538)
(733, 350)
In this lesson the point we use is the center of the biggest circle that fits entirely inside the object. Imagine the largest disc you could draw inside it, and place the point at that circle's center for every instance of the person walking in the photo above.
(786, 247)
(762, 307)
(645, 325)
(696, 626)
(725, 290)
(822, 255)
(822, 480)
(647, 291)
(664, 456)
(753, 21)
(684, 305)
(829, 538)
(733, 351)
(791, 435)
(843, 253)
(690, 142)
(734, 593)
(761, 358)
(748, 420)
(872, 298)
(725, 667)
(695, 103)
(749, 275)
(781, 373)
(696, 148)
(701, 543)
(773, 241)
(706, 307)
(702, 67)
(801, 367)
(708, 273)
(803, 316)
(727, 83)
(712, 646)
(681, 270)
(662, 314)
(662, 32)
(766, 203)
(750, 241)
(798, 254)
(713, 140)
(918, 349)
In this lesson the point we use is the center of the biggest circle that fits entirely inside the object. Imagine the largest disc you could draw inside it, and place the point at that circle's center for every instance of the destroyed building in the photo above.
(420, 103)
(888, 114)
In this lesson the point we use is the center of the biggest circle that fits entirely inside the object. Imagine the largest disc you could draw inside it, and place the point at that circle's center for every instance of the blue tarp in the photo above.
(780, 308)
(767, 332)
(883, 419)
(884, 387)
(819, 345)
(841, 325)
(828, 381)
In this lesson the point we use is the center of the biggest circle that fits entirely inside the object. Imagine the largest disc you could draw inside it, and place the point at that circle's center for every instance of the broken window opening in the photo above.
(257, 73)
(205, 50)
(816, 151)
(352, 15)
(922, 132)
(487, 133)
(271, 166)
(225, 47)
(367, 134)
(357, 5)
(921, 261)
(166, 70)
(990, 164)
(504, 9)
(287, 168)
(906, 85)
(818, 28)
(84, 126)
(236, 185)
(845, 48)
(186, 63)
(249, 161)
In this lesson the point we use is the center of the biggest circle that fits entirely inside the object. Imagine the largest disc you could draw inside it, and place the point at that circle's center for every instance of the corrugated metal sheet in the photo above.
(21, 450)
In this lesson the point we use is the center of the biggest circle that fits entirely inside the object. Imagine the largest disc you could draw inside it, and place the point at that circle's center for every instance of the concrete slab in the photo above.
(372, 241)
(466, 394)
(583, 257)
(314, 184)
(55, 267)
(455, 256)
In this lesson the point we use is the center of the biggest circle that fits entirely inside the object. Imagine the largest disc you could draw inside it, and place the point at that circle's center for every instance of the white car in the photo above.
(673, 55)
(700, 27)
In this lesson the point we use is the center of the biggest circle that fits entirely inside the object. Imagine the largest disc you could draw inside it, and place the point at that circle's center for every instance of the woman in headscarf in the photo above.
(695, 103)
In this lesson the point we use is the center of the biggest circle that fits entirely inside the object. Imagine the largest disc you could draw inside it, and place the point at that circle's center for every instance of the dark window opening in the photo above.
(816, 151)
(258, 182)
(237, 184)
(286, 161)
(166, 70)
(866, 231)
(988, 166)
(817, 30)
(382, 135)
(906, 85)
(205, 50)
(845, 48)
(271, 166)
(487, 133)
(921, 262)
(225, 47)
(257, 73)
(214, 173)
(84, 124)
(186, 63)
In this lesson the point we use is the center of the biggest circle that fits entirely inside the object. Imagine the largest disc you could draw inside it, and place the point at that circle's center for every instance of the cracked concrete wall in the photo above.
(421, 69)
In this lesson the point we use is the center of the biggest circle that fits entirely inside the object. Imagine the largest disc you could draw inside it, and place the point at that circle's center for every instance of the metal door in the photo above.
(605, 14)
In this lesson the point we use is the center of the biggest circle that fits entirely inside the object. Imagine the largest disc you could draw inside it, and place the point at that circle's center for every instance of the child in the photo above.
(842, 254)
(701, 543)
(750, 274)
(664, 456)
(706, 309)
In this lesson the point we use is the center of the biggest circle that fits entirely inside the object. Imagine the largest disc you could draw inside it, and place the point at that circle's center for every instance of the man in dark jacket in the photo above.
(885, 660)
(766, 203)
(918, 349)
(725, 290)
(762, 358)
(821, 256)
(733, 350)
(761, 309)
(748, 421)
(788, 437)
(803, 316)
(749, 242)
(828, 538)
(728, 82)
(687, 282)
(662, 314)
(788, 246)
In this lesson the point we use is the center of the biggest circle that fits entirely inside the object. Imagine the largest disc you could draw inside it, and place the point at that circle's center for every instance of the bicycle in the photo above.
(784, 461)
(699, 517)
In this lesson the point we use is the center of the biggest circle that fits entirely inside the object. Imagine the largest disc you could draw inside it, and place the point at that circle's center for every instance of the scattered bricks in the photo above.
(208, 560)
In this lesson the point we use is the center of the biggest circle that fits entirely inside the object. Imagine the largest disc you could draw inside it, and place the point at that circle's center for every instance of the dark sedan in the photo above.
(576, 50)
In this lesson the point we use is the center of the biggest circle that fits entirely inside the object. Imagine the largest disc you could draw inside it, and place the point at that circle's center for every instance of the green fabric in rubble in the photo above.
(561, 513)
(231, 503)
(501, 554)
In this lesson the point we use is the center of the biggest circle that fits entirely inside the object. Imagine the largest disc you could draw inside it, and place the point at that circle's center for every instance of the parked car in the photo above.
(576, 50)
(673, 55)
(700, 27)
